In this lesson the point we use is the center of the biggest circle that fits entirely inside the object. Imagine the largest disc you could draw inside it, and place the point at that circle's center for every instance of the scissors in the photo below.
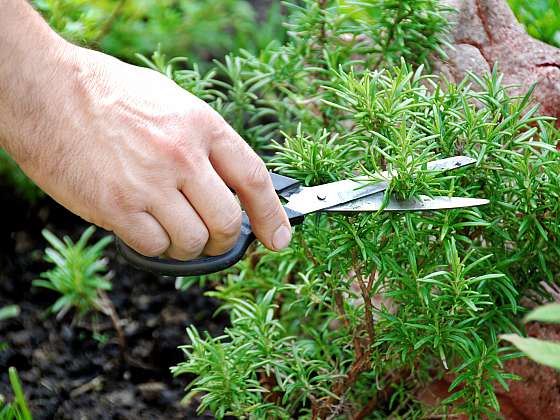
(346, 197)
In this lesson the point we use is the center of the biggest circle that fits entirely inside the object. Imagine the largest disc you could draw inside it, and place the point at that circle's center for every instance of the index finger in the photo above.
(244, 171)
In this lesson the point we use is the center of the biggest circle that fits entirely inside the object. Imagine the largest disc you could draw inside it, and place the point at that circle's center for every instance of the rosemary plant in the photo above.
(79, 275)
(361, 312)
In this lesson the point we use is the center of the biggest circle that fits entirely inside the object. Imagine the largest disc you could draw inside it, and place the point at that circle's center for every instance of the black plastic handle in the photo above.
(199, 266)
(208, 265)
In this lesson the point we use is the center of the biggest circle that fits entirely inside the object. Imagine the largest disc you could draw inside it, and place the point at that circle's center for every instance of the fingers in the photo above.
(187, 233)
(217, 207)
(199, 214)
(143, 233)
(241, 168)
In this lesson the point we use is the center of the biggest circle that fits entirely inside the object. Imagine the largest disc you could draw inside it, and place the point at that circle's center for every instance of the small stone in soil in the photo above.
(124, 397)
(152, 391)
(20, 338)
(131, 328)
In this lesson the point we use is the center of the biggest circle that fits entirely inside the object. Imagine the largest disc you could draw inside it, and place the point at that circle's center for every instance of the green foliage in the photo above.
(14, 176)
(371, 306)
(540, 351)
(409, 29)
(201, 28)
(547, 313)
(9, 311)
(79, 272)
(540, 17)
(18, 409)
(256, 346)
(76, 20)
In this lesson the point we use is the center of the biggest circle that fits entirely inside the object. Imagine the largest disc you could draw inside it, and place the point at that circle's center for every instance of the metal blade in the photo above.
(446, 164)
(423, 203)
(451, 163)
(305, 200)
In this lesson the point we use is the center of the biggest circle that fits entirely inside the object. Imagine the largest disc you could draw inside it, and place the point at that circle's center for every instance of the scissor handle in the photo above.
(196, 267)
(207, 265)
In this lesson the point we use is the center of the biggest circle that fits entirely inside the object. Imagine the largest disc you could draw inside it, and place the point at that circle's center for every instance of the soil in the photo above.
(67, 373)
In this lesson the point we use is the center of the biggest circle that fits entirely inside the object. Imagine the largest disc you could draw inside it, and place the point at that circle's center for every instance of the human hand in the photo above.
(128, 150)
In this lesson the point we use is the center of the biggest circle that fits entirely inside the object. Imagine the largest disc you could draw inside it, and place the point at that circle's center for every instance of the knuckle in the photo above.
(179, 155)
(151, 247)
(211, 127)
(155, 248)
(229, 228)
(193, 243)
(203, 115)
(218, 129)
(121, 199)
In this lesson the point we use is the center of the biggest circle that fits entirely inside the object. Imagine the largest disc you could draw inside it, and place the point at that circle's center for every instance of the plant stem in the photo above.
(109, 309)
(366, 290)
(339, 306)
(106, 28)
(390, 37)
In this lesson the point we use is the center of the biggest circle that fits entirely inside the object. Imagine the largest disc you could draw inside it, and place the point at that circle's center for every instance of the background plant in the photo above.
(18, 409)
(361, 312)
(541, 351)
(540, 17)
(122, 28)
(203, 29)
(79, 273)
(80, 277)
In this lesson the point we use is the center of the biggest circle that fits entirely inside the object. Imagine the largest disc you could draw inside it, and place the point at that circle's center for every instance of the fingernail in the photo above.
(281, 238)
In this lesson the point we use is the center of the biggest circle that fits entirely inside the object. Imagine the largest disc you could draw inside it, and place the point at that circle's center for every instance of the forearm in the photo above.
(31, 57)
(126, 148)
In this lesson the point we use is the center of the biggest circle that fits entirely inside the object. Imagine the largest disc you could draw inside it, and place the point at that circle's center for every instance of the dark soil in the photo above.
(66, 373)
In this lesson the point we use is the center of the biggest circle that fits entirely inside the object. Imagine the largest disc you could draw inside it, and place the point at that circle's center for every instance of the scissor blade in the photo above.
(305, 200)
(450, 163)
(423, 203)
(441, 165)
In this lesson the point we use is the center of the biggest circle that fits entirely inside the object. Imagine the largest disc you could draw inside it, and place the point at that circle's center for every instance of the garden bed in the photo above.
(66, 372)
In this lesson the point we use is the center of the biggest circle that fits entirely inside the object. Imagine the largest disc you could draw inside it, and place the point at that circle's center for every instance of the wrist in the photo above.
(34, 61)
(31, 97)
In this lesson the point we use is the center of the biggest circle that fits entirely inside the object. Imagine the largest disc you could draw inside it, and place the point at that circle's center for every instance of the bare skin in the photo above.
(127, 149)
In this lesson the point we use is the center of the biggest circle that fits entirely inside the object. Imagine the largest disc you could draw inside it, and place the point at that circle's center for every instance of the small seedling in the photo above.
(18, 409)
(80, 273)
(80, 276)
